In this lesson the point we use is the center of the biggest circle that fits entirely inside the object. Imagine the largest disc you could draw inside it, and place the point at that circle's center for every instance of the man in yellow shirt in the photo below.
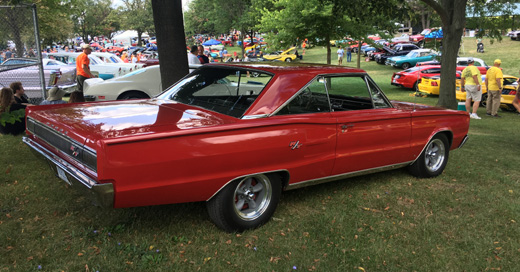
(471, 82)
(494, 85)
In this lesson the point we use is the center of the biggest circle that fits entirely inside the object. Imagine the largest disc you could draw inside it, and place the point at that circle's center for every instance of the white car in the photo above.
(106, 71)
(141, 83)
(402, 38)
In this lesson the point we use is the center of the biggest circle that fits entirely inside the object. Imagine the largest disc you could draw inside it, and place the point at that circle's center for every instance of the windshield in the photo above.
(225, 90)
(412, 54)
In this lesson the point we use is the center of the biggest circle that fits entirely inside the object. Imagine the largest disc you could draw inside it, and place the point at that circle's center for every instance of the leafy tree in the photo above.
(89, 17)
(137, 15)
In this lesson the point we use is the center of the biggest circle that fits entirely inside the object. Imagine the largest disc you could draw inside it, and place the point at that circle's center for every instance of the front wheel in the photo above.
(405, 65)
(433, 159)
(288, 60)
(245, 203)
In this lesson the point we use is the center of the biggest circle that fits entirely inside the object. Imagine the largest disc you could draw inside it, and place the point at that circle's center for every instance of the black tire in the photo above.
(416, 86)
(433, 159)
(133, 95)
(231, 208)
(288, 60)
(483, 100)
(405, 65)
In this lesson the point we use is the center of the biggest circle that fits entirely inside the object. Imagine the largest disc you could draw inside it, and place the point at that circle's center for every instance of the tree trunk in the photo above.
(454, 21)
(359, 54)
(327, 40)
(171, 42)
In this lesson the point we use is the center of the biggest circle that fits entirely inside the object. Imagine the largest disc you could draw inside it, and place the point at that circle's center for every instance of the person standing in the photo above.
(83, 66)
(494, 86)
(192, 56)
(471, 82)
(349, 54)
(340, 53)
(516, 100)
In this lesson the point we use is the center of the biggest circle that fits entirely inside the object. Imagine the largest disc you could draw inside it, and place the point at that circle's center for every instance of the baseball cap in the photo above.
(470, 60)
(497, 61)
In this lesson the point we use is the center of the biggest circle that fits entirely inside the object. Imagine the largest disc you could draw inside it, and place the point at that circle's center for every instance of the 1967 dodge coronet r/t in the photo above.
(218, 137)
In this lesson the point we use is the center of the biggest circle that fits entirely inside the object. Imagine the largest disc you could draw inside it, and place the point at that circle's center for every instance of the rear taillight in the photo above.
(434, 83)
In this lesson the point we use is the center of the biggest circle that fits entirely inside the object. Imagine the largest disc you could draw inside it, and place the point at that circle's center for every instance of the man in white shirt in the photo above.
(192, 56)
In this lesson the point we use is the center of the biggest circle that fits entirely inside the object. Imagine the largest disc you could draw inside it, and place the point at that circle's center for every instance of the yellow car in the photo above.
(287, 55)
(430, 85)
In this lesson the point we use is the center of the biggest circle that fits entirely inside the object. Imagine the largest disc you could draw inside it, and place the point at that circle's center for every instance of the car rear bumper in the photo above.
(101, 194)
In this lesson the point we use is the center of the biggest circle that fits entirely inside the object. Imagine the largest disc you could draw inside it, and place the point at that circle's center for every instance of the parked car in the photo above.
(462, 62)
(141, 83)
(419, 38)
(398, 50)
(239, 148)
(514, 35)
(402, 37)
(287, 55)
(365, 50)
(56, 73)
(113, 59)
(434, 35)
(411, 58)
(105, 70)
(411, 77)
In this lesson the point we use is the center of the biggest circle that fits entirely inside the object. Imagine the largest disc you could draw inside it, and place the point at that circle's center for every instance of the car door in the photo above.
(371, 133)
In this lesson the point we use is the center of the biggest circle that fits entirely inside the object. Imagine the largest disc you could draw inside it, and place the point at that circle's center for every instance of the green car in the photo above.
(410, 59)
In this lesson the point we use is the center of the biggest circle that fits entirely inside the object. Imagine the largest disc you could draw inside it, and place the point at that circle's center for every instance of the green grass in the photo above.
(467, 219)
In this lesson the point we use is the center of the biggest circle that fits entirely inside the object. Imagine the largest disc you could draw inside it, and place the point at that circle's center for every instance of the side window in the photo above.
(312, 99)
(349, 93)
(378, 98)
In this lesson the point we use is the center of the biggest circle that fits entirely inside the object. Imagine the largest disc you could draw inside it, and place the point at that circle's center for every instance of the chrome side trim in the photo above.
(346, 175)
(463, 141)
(102, 194)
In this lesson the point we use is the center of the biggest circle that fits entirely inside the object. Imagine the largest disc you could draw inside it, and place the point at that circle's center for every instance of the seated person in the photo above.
(19, 93)
(8, 106)
(55, 95)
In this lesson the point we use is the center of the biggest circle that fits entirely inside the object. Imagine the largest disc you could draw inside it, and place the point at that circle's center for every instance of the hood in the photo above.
(117, 119)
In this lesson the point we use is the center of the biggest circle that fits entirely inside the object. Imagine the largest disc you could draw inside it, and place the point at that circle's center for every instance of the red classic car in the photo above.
(409, 78)
(217, 136)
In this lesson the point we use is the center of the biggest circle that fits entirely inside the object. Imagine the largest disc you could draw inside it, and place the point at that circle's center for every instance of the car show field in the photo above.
(465, 219)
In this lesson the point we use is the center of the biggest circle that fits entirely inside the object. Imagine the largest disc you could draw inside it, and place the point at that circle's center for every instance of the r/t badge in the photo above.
(295, 145)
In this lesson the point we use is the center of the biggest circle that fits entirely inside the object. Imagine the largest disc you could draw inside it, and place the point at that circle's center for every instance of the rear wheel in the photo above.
(433, 159)
(288, 60)
(245, 203)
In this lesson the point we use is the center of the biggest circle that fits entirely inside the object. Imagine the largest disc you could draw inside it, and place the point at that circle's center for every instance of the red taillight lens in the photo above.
(434, 83)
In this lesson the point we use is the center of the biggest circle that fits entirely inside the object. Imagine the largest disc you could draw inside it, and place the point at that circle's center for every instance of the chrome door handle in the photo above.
(344, 128)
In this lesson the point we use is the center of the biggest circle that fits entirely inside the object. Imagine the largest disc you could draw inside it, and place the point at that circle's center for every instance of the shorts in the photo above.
(473, 92)
(340, 57)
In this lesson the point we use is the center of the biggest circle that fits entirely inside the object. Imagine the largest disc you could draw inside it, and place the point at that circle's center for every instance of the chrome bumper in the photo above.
(101, 194)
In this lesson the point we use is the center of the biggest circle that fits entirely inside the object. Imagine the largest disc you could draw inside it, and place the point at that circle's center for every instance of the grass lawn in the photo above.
(467, 219)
